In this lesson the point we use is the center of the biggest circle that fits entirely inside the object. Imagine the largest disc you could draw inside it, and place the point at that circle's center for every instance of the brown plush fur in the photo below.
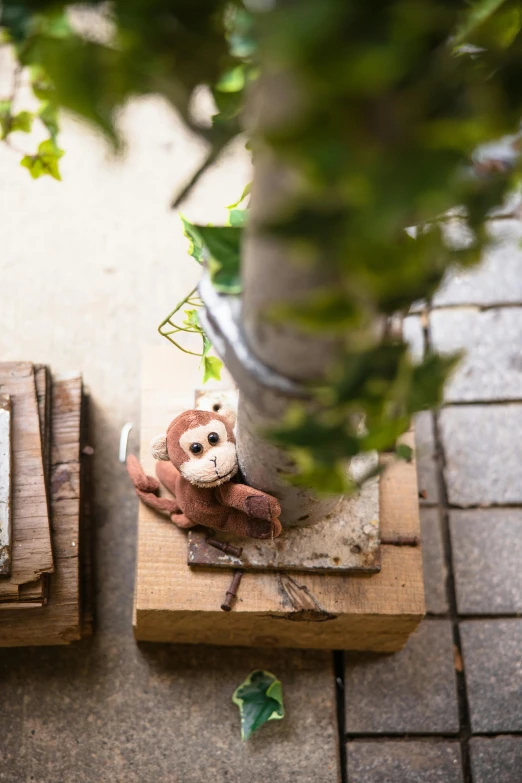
(222, 504)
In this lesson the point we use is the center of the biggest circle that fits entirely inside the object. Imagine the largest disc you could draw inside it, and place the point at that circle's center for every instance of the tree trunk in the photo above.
(272, 277)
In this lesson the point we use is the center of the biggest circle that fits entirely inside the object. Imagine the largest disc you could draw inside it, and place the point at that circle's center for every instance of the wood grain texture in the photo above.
(42, 378)
(32, 552)
(58, 622)
(87, 539)
(6, 528)
(176, 603)
(35, 593)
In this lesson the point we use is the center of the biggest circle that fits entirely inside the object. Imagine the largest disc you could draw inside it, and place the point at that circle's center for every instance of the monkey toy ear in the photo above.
(158, 447)
(229, 414)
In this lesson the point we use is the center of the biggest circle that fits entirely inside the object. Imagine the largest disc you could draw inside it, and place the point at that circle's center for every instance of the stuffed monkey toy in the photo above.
(197, 458)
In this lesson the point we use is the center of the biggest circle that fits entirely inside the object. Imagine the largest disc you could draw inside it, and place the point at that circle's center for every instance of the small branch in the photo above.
(211, 158)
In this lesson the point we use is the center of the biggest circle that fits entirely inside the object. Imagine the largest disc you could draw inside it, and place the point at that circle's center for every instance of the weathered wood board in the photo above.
(87, 538)
(6, 528)
(35, 593)
(59, 621)
(177, 603)
(42, 377)
(32, 549)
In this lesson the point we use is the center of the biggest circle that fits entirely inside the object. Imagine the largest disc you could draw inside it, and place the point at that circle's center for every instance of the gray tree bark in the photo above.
(273, 276)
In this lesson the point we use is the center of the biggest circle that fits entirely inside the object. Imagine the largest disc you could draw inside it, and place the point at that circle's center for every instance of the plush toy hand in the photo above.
(262, 505)
(249, 500)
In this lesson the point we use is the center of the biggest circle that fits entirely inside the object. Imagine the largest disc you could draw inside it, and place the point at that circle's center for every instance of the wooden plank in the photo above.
(176, 603)
(6, 528)
(87, 600)
(35, 593)
(42, 377)
(59, 621)
(32, 552)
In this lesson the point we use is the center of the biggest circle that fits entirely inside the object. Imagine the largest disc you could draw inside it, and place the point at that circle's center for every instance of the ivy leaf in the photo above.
(195, 241)
(428, 380)
(238, 217)
(211, 368)
(223, 244)
(191, 321)
(324, 479)
(48, 114)
(404, 452)
(232, 80)
(5, 118)
(479, 12)
(260, 699)
(45, 161)
(246, 192)
(22, 122)
(325, 310)
(207, 345)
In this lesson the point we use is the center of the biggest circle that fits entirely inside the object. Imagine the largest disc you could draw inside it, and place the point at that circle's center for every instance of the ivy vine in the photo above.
(387, 104)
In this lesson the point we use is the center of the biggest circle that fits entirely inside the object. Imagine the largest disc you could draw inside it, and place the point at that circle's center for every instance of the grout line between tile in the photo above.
(338, 667)
(464, 716)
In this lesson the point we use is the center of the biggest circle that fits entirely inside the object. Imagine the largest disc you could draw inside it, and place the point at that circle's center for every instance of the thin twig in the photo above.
(211, 158)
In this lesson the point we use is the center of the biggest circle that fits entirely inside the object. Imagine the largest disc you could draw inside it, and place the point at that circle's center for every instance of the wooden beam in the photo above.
(177, 603)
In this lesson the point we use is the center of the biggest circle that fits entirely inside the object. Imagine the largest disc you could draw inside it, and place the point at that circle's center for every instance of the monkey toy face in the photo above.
(201, 445)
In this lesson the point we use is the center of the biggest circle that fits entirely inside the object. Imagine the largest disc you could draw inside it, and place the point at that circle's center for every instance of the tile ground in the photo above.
(435, 569)
(493, 671)
(410, 692)
(491, 368)
(496, 759)
(110, 710)
(487, 560)
(404, 762)
(483, 454)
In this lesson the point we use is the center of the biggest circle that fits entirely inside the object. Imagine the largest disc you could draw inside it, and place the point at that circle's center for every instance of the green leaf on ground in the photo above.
(211, 368)
(260, 699)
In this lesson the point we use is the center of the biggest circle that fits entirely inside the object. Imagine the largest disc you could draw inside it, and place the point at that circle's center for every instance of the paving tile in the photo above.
(487, 558)
(410, 692)
(435, 571)
(414, 335)
(425, 458)
(491, 368)
(493, 669)
(497, 280)
(162, 713)
(404, 762)
(483, 454)
(496, 759)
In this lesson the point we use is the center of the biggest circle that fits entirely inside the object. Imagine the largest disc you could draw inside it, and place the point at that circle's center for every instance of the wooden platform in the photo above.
(177, 603)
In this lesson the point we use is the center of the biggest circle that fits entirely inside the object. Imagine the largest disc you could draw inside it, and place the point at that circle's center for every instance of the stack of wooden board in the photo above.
(45, 557)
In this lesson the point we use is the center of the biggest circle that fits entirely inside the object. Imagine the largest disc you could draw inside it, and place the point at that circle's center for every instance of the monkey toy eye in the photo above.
(196, 448)
(213, 438)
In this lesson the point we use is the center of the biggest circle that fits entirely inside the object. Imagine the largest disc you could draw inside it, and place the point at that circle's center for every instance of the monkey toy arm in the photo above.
(146, 489)
(249, 500)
